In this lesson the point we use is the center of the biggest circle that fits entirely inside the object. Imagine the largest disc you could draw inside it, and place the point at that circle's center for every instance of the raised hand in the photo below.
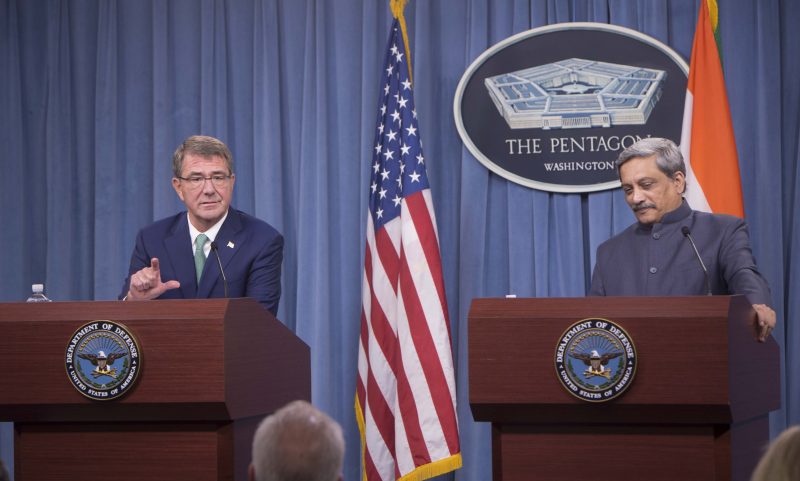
(146, 284)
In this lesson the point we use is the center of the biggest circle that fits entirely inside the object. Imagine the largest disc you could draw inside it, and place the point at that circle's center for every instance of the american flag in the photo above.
(406, 394)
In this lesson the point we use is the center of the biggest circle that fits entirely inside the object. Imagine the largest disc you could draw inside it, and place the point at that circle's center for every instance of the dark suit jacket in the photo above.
(251, 252)
(658, 260)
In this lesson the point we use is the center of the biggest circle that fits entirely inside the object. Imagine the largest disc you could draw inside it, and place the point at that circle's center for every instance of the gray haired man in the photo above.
(655, 257)
(297, 443)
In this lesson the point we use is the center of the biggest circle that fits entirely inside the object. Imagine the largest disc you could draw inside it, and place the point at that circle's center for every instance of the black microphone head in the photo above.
(213, 246)
(684, 229)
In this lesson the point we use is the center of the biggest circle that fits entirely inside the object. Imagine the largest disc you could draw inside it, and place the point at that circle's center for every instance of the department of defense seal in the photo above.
(103, 360)
(595, 360)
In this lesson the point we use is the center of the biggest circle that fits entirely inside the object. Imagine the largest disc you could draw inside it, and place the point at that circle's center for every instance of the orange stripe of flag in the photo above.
(713, 146)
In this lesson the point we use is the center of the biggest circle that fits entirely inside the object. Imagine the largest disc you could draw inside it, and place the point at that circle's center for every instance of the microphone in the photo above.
(688, 235)
(219, 263)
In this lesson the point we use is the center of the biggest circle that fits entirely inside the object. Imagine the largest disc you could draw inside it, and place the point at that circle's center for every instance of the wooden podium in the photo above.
(210, 371)
(697, 409)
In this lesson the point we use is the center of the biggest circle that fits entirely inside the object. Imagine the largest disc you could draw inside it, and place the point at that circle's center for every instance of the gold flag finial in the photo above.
(398, 6)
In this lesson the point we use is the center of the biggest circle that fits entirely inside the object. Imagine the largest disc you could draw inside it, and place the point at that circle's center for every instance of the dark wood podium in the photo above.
(210, 371)
(697, 408)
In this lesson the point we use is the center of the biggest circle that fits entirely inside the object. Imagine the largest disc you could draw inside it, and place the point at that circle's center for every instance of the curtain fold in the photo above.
(788, 333)
(97, 95)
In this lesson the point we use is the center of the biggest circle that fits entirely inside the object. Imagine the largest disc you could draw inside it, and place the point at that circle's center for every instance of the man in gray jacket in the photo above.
(655, 257)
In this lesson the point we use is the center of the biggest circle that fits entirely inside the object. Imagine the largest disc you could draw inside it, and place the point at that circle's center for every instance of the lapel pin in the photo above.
(230, 244)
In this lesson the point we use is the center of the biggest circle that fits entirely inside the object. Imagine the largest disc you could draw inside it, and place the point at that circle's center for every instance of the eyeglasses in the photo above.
(197, 181)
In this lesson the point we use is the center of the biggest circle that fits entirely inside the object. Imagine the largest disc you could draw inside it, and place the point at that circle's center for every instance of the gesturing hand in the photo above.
(146, 284)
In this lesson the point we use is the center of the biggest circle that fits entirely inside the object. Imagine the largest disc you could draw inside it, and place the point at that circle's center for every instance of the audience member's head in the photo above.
(781, 462)
(297, 443)
(3, 472)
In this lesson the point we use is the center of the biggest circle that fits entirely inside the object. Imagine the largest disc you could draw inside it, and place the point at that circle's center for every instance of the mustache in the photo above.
(643, 205)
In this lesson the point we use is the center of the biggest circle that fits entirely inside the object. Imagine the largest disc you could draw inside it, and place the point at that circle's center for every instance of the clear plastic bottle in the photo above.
(38, 294)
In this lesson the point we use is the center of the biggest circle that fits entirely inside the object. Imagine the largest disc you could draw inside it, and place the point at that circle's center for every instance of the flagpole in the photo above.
(398, 8)
(405, 390)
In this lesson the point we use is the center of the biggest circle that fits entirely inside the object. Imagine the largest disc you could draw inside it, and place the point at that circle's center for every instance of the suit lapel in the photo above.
(228, 243)
(180, 256)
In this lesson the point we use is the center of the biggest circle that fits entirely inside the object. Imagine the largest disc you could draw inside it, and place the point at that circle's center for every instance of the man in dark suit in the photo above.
(178, 248)
(654, 256)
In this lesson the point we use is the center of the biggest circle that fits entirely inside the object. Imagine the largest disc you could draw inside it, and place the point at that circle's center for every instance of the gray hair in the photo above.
(298, 443)
(668, 156)
(204, 146)
(781, 462)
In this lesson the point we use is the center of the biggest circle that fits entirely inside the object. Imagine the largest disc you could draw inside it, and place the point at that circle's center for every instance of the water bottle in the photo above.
(38, 294)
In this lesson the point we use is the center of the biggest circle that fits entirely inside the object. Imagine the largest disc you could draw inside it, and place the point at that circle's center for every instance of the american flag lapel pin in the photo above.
(230, 244)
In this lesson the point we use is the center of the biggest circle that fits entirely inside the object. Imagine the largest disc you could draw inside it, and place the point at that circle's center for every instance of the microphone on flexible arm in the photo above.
(219, 263)
(688, 235)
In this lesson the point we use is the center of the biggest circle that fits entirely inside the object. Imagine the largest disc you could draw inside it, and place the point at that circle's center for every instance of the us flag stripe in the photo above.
(406, 395)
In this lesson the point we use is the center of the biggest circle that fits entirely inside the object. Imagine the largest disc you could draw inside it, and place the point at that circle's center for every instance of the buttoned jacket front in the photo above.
(658, 260)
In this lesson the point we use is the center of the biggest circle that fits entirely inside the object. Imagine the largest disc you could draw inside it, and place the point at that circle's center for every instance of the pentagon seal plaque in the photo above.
(595, 360)
(103, 360)
(552, 107)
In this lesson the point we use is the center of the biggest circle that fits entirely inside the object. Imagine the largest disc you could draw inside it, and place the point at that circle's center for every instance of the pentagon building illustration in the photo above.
(576, 93)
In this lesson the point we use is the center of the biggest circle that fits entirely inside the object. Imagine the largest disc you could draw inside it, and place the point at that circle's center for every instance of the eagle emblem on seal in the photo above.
(102, 362)
(595, 359)
(596, 363)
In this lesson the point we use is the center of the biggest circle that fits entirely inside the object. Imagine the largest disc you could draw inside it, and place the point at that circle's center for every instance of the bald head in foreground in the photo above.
(297, 443)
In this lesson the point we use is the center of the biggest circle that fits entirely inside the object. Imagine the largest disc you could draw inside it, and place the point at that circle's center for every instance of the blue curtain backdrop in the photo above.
(97, 94)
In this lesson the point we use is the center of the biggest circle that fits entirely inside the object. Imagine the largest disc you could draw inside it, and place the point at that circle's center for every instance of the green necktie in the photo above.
(199, 255)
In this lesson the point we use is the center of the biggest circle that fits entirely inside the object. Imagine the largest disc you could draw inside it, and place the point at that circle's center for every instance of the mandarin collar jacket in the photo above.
(658, 260)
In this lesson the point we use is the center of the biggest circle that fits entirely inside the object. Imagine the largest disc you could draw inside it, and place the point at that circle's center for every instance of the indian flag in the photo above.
(707, 140)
